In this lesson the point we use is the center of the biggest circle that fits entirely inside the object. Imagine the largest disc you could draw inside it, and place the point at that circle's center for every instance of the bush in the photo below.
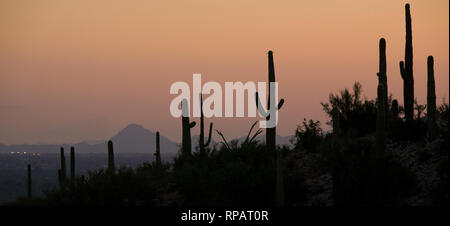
(354, 112)
(308, 136)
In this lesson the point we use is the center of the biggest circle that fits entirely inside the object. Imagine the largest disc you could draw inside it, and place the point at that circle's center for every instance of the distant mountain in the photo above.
(132, 139)
(137, 139)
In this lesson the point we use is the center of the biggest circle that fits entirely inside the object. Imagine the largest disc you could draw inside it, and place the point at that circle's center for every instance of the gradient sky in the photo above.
(84, 69)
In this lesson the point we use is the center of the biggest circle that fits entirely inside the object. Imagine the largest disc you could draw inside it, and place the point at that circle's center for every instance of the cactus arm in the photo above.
(260, 109)
(280, 104)
(402, 69)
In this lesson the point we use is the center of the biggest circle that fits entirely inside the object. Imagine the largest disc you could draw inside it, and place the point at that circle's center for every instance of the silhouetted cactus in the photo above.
(382, 77)
(394, 109)
(271, 134)
(111, 166)
(201, 141)
(406, 70)
(63, 166)
(186, 129)
(72, 164)
(431, 99)
(29, 188)
(381, 121)
(157, 153)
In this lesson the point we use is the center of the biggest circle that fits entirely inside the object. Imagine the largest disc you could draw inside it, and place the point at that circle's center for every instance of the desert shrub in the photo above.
(308, 136)
(354, 112)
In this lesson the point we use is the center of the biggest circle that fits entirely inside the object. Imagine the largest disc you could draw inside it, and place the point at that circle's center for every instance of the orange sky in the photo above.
(82, 70)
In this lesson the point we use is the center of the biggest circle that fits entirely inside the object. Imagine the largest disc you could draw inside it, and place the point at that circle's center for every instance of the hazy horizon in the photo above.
(73, 71)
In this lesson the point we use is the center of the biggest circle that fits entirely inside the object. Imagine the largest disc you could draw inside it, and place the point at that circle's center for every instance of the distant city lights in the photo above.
(24, 153)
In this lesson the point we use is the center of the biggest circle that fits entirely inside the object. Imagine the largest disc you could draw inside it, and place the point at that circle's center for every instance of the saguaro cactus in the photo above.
(406, 70)
(271, 134)
(201, 141)
(157, 152)
(72, 164)
(111, 166)
(382, 77)
(431, 99)
(29, 188)
(186, 129)
(63, 165)
(381, 121)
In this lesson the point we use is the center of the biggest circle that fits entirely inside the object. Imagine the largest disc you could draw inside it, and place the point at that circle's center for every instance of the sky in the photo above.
(76, 70)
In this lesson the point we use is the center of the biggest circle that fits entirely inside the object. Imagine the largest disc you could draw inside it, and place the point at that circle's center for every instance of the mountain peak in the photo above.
(134, 138)
(133, 126)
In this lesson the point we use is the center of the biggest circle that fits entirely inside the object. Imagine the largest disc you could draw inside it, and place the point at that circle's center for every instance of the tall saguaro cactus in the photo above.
(431, 98)
(72, 164)
(406, 70)
(157, 152)
(271, 133)
(111, 166)
(186, 129)
(382, 77)
(381, 121)
(29, 188)
(63, 171)
(201, 141)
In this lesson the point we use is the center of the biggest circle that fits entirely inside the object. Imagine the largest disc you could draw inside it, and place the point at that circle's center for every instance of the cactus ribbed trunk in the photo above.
(157, 153)
(406, 70)
(270, 132)
(111, 165)
(63, 165)
(72, 164)
(186, 142)
(202, 144)
(186, 129)
(29, 188)
(381, 122)
(382, 77)
(431, 99)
